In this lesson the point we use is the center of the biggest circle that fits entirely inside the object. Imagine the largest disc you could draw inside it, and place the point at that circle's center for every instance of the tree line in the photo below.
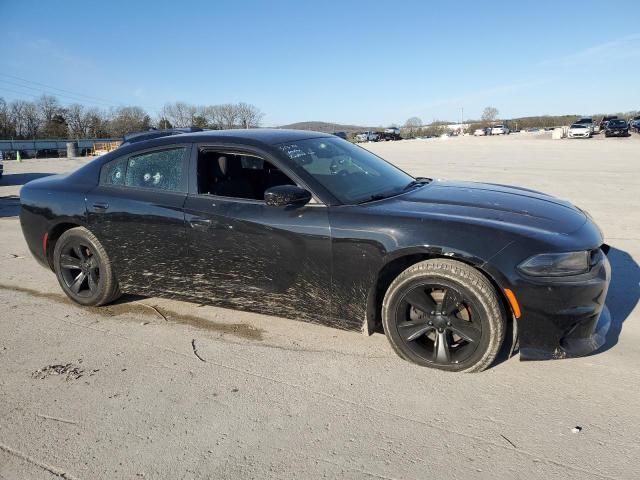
(414, 126)
(46, 117)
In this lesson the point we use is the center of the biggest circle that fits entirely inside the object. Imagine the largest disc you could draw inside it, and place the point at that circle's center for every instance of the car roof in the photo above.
(155, 133)
(269, 136)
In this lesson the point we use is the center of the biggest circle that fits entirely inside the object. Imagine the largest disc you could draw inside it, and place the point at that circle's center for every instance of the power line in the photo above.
(77, 99)
(19, 93)
(58, 89)
(74, 96)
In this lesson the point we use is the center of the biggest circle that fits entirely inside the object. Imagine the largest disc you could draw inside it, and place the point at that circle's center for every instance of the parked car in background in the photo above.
(389, 134)
(342, 135)
(579, 130)
(369, 136)
(586, 121)
(634, 124)
(308, 226)
(479, 132)
(605, 120)
(500, 130)
(617, 128)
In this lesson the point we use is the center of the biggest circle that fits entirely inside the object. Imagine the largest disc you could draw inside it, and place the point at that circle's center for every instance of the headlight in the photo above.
(556, 264)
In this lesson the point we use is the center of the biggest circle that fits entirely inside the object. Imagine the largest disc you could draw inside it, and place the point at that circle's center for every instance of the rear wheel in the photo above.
(84, 269)
(444, 314)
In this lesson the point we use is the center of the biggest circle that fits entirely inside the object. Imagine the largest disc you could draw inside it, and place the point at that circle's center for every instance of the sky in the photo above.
(353, 62)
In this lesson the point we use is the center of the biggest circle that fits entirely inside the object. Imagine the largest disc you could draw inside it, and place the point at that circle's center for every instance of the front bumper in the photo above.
(564, 318)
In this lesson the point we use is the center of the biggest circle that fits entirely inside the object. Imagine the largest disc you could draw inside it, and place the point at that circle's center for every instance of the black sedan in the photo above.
(308, 226)
(616, 128)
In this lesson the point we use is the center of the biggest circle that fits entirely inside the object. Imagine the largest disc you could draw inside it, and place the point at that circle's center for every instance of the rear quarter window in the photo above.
(113, 173)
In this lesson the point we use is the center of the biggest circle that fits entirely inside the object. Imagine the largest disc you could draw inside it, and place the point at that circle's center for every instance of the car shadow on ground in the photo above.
(623, 295)
(9, 206)
(12, 179)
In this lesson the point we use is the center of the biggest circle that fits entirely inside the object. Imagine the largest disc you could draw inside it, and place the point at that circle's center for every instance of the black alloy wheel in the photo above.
(80, 268)
(437, 323)
(444, 314)
(83, 268)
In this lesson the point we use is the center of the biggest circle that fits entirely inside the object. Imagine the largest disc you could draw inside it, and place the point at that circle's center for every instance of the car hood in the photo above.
(487, 202)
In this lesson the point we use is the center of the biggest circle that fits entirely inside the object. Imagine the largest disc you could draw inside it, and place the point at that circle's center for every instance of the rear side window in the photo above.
(160, 170)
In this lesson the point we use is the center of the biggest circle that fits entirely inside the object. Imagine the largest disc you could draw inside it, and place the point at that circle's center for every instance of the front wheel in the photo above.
(444, 314)
(84, 269)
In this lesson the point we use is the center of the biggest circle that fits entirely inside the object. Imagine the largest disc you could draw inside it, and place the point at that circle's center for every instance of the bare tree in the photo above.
(46, 117)
(213, 114)
(7, 129)
(179, 114)
(31, 120)
(16, 108)
(249, 115)
(489, 114)
(413, 123)
(48, 107)
(97, 123)
(77, 120)
(128, 119)
(228, 115)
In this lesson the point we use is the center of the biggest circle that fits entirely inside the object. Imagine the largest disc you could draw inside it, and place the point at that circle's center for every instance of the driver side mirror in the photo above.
(285, 195)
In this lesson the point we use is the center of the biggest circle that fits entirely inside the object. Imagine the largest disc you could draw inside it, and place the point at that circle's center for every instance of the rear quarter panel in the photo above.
(47, 203)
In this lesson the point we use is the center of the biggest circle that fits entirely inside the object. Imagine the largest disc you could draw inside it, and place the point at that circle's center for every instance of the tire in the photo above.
(468, 340)
(83, 268)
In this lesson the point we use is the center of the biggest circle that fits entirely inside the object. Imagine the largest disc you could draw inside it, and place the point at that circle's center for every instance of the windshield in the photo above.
(350, 173)
(578, 125)
(585, 120)
(617, 123)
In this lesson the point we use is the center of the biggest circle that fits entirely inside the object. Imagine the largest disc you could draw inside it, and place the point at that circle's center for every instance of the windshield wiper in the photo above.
(378, 196)
(382, 196)
(417, 181)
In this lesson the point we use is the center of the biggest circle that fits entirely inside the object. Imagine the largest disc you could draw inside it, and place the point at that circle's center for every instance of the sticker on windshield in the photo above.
(293, 151)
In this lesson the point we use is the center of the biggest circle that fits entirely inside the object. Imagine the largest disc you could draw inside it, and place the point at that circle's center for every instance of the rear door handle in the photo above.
(101, 206)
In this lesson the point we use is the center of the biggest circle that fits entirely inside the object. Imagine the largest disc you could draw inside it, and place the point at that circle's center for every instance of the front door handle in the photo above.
(200, 222)
(101, 206)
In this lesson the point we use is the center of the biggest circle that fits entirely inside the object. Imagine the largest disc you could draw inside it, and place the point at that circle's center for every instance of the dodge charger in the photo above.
(308, 226)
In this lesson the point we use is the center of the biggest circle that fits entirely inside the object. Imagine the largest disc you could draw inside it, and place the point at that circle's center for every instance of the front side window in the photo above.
(237, 175)
(350, 173)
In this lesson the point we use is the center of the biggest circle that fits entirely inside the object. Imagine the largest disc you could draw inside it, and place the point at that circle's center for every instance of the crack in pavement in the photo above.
(195, 350)
(49, 468)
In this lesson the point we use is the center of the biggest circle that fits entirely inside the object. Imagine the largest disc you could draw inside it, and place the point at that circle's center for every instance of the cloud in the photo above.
(617, 49)
(45, 48)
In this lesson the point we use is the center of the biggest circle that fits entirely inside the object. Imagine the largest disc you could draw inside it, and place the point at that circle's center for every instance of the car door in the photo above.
(137, 213)
(249, 255)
